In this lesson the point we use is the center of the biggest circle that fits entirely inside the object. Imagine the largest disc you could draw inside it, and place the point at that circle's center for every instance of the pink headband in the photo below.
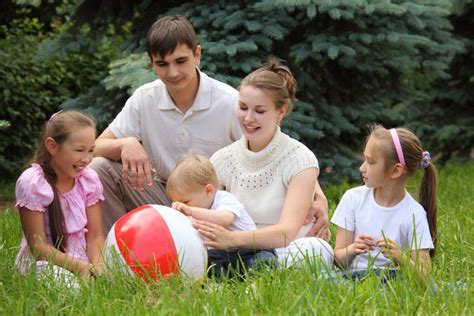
(398, 146)
(54, 115)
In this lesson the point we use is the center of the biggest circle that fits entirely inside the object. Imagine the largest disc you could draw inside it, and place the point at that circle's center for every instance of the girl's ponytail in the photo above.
(427, 198)
(55, 213)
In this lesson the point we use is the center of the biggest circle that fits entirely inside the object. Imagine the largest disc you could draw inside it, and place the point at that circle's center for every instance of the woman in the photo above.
(273, 175)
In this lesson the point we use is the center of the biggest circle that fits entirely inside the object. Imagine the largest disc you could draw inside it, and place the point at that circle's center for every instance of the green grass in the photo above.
(279, 292)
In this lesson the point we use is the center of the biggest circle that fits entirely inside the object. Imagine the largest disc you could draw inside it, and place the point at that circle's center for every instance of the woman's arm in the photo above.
(318, 214)
(298, 199)
(33, 225)
(95, 237)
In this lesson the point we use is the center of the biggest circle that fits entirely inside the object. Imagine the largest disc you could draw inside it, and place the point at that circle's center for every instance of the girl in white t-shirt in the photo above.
(380, 225)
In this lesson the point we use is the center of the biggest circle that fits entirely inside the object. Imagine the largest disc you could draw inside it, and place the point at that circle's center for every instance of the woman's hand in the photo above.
(318, 214)
(215, 236)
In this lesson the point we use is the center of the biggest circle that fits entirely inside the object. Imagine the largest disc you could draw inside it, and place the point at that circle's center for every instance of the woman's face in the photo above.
(258, 117)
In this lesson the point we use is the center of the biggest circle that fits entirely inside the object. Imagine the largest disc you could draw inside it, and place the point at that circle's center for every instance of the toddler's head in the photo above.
(193, 181)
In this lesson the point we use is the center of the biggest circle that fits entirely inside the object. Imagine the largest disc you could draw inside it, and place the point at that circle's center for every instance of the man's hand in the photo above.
(318, 214)
(136, 164)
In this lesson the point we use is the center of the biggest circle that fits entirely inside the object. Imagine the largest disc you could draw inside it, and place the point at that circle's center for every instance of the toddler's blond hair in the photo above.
(191, 174)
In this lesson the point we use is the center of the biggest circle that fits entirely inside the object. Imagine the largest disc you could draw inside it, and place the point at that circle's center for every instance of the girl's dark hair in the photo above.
(58, 127)
(275, 79)
(412, 152)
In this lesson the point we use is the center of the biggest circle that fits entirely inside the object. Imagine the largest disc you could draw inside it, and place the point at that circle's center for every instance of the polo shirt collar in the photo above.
(203, 96)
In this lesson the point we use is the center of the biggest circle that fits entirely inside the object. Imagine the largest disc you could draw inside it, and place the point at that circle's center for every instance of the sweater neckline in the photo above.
(256, 160)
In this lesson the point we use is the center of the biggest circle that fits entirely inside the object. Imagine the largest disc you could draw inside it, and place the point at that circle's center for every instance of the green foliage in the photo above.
(29, 91)
(356, 62)
(34, 85)
(446, 116)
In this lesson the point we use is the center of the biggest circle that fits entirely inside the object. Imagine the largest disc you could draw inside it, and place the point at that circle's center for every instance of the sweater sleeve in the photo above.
(297, 160)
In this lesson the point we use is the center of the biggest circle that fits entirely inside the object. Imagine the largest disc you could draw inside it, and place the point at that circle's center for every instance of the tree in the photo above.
(354, 61)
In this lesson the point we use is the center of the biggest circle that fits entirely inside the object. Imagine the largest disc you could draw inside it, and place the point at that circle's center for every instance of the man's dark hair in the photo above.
(167, 33)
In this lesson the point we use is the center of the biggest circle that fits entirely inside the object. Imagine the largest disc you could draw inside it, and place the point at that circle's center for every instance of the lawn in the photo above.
(298, 291)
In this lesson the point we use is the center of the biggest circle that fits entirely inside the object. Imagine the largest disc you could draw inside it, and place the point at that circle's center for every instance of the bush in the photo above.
(33, 87)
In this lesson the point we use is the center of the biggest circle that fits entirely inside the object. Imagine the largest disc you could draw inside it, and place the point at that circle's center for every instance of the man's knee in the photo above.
(102, 166)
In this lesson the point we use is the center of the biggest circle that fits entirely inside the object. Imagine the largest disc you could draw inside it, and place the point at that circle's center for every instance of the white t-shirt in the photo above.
(260, 180)
(166, 133)
(405, 223)
(226, 201)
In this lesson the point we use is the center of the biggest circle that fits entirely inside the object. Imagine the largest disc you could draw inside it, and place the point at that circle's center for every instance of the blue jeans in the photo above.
(234, 263)
(384, 274)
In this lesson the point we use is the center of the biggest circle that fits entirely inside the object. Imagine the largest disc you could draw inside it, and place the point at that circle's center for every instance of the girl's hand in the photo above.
(214, 235)
(183, 208)
(85, 270)
(362, 244)
(390, 249)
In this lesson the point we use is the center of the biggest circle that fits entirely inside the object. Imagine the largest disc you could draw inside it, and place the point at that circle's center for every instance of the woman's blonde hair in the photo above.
(275, 79)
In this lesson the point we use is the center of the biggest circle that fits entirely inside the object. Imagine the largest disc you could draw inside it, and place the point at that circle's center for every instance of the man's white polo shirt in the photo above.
(166, 133)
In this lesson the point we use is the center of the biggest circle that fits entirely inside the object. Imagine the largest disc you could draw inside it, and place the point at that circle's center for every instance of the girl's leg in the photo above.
(48, 272)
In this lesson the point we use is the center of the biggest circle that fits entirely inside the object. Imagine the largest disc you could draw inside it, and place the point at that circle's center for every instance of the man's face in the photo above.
(177, 70)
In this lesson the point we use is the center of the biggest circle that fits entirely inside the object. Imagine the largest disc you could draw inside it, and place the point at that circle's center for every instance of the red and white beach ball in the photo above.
(153, 241)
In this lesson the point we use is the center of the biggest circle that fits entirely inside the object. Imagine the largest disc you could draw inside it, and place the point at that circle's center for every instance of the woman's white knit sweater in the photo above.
(260, 180)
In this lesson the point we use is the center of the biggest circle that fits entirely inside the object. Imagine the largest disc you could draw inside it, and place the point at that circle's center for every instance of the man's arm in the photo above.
(134, 158)
(108, 145)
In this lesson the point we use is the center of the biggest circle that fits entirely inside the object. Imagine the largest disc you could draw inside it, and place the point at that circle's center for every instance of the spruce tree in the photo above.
(356, 62)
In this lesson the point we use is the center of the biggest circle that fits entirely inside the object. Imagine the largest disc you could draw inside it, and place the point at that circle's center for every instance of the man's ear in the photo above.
(51, 145)
(197, 54)
(210, 190)
(397, 171)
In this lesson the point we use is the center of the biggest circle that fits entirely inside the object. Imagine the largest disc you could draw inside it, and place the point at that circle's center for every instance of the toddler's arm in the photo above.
(221, 217)
(347, 248)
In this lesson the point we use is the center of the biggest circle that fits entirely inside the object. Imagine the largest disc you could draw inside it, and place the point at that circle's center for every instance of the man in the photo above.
(183, 111)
